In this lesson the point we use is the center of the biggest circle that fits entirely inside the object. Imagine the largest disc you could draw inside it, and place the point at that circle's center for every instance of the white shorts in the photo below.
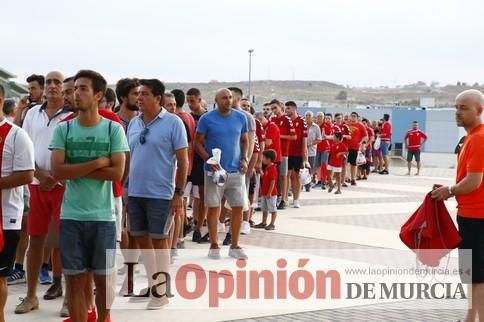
(334, 169)
(188, 190)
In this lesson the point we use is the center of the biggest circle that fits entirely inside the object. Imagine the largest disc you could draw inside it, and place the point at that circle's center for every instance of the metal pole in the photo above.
(250, 73)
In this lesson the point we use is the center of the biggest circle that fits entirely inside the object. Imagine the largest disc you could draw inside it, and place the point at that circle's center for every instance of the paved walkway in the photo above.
(346, 230)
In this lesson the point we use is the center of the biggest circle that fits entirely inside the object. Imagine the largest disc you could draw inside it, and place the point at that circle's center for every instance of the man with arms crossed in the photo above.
(17, 161)
(469, 193)
(88, 152)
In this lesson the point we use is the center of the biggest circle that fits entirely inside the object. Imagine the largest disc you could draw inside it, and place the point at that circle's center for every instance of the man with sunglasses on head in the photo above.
(157, 138)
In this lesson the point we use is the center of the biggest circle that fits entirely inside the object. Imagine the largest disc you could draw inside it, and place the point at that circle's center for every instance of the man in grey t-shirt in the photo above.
(314, 138)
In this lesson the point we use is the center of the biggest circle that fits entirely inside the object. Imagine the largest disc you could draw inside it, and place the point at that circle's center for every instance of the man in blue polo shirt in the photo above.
(158, 145)
(226, 129)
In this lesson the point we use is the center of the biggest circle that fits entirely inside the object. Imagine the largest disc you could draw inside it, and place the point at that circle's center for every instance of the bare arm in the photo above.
(470, 183)
(17, 178)
(113, 172)
(182, 167)
(200, 146)
(63, 171)
(305, 149)
(292, 137)
(251, 136)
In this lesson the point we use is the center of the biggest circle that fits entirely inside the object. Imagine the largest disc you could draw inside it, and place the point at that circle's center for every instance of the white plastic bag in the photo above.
(360, 159)
(377, 143)
(220, 176)
(305, 176)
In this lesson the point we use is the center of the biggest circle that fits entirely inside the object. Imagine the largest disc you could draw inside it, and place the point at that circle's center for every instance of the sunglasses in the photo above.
(142, 137)
(267, 109)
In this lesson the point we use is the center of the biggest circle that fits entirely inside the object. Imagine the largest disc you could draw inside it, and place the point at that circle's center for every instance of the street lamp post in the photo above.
(250, 73)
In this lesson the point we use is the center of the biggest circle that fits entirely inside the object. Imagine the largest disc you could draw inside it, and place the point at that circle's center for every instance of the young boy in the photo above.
(269, 190)
(335, 164)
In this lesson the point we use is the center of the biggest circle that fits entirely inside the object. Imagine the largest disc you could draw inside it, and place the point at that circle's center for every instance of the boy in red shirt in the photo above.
(269, 190)
(336, 164)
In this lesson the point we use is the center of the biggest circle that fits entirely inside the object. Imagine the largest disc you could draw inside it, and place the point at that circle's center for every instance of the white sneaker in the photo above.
(157, 303)
(221, 227)
(245, 228)
(296, 204)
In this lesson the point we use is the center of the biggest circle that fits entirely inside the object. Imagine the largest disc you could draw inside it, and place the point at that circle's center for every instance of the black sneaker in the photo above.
(205, 239)
(196, 236)
(228, 240)
(281, 205)
(251, 223)
(307, 187)
(323, 186)
(260, 226)
(353, 182)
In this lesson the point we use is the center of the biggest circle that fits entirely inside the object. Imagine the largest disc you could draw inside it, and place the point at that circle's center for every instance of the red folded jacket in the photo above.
(430, 232)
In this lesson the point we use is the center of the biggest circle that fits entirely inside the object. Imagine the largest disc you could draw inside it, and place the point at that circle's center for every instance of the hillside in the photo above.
(326, 92)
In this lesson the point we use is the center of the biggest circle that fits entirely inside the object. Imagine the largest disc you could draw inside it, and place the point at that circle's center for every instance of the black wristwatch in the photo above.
(179, 191)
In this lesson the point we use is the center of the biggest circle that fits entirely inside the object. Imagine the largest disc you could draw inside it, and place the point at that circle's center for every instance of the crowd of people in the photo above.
(83, 174)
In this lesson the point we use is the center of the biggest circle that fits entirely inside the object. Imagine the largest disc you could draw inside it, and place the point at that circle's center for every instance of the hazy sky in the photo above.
(355, 42)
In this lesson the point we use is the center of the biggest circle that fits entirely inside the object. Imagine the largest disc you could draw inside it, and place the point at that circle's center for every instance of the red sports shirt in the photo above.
(415, 139)
(335, 160)
(358, 132)
(386, 131)
(296, 147)
(270, 173)
(286, 127)
(273, 133)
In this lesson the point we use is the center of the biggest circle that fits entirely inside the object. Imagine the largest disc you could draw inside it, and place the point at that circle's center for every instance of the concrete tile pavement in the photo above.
(365, 217)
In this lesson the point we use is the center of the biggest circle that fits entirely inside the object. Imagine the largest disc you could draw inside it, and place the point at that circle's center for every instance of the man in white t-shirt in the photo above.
(17, 169)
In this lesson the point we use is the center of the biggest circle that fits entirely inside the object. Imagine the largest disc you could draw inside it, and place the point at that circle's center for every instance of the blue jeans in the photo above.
(87, 246)
(384, 146)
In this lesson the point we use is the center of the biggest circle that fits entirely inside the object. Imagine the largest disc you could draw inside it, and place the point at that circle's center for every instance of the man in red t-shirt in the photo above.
(414, 140)
(298, 150)
(386, 139)
(287, 134)
(359, 137)
(341, 126)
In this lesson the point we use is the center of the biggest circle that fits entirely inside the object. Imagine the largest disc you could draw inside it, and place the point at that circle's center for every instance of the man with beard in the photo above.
(298, 150)
(36, 85)
(127, 92)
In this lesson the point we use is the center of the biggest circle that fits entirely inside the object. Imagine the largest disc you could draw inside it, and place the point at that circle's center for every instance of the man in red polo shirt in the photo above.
(287, 134)
(359, 136)
(414, 140)
(298, 150)
(386, 139)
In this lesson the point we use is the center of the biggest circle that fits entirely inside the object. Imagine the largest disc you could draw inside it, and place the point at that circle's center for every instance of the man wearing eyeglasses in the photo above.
(158, 144)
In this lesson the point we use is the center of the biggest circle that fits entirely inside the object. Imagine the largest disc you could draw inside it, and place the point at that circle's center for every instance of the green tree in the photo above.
(342, 96)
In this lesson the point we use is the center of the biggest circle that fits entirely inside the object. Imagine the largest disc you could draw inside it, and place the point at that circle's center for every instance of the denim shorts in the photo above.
(269, 204)
(384, 148)
(87, 246)
(149, 216)
(321, 157)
